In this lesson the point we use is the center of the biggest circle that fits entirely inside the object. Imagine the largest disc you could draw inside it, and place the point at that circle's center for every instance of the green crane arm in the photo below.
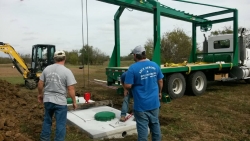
(16, 58)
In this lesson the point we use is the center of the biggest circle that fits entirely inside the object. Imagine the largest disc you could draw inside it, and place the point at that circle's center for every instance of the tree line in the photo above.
(86, 55)
(7, 60)
(175, 47)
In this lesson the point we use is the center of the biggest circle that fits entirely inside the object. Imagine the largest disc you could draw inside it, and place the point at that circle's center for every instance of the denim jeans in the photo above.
(125, 105)
(148, 119)
(60, 112)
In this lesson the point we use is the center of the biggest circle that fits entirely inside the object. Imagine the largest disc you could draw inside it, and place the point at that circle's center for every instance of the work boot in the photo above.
(123, 119)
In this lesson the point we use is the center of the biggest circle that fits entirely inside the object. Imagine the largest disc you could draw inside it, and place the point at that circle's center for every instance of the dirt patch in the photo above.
(12, 110)
(22, 116)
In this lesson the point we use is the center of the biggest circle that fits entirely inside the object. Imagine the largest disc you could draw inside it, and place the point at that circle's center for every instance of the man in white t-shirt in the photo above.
(55, 81)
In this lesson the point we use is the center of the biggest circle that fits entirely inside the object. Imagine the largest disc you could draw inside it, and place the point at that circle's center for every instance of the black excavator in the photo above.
(42, 56)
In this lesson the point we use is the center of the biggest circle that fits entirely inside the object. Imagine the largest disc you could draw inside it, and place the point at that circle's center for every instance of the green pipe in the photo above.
(115, 58)
(215, 13)
(217, 21)
(202, 4)
(157, 35)
(192, 57)
(235, 36)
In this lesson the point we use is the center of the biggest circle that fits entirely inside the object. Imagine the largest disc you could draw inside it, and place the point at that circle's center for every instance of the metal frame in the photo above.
(158, 10)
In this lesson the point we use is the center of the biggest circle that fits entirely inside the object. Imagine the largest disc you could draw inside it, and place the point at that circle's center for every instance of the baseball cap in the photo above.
(138, 50)
(59, 53)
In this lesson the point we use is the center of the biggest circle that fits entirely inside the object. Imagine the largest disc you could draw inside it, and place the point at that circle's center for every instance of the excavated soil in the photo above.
(13, 109)
(21, 115)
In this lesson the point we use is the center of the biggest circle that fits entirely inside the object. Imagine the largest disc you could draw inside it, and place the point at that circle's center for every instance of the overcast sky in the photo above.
(28, 22)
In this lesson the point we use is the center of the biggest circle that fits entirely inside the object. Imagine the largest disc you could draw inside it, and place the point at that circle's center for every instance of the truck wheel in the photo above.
(247, 81)
(176, 85)
(197, 83)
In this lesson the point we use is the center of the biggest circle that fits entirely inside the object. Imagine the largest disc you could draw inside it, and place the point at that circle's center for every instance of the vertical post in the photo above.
(115, 58)
(157, 34)
(235, 40)
(192, 57)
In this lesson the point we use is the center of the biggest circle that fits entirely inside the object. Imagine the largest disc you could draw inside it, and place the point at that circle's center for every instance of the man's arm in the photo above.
(160, 85)
(71, 90)
(40, 91)
(124, 89)
(127, 86)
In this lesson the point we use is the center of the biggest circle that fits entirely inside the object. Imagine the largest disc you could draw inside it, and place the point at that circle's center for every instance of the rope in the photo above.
(129, 9)
(220, 66)
(77, 116)
(175, 65)
(87, 36)
(189, 70)
(83, 47)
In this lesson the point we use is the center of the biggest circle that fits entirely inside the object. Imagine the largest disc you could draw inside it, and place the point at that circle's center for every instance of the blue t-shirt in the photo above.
(144, 76)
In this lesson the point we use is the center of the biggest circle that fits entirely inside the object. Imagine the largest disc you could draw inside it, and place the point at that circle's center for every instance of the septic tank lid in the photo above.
(104, 116)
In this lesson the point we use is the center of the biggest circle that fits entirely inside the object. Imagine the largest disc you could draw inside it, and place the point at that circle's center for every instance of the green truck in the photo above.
(224, 57)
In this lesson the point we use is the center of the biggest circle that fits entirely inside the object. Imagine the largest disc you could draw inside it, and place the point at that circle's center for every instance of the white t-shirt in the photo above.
(56, 78)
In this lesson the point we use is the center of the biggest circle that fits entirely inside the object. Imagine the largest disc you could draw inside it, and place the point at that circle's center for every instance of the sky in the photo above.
(27, 22)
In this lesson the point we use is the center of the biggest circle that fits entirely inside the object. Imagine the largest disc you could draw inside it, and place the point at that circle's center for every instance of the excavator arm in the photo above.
(16, 58)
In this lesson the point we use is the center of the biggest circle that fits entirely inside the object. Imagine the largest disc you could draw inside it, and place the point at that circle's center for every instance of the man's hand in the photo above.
(40, 98)
(40, 91)
(160, 95)
(74, 106)
(125, 92)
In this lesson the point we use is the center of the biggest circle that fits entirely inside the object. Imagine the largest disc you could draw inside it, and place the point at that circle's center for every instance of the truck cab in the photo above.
(221, 47)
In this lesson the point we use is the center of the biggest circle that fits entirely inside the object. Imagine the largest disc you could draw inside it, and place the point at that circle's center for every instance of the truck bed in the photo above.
(188, 68)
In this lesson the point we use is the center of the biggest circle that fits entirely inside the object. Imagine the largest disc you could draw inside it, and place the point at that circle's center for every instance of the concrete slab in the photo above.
(84, 119)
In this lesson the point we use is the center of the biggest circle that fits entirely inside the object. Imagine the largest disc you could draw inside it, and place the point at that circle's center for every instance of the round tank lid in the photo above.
(104, 116)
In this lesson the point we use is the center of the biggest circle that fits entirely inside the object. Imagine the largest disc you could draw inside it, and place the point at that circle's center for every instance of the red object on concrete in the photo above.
(87, 96)
(129, 116)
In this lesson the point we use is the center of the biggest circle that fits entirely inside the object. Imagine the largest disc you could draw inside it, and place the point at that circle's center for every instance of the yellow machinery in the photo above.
(42, 56)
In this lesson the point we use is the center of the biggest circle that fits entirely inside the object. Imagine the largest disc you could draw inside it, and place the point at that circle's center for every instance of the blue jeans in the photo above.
(60, 112)
(125, 105)
(148, 119)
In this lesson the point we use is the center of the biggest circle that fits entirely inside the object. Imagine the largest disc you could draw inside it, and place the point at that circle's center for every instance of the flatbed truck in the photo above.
(223, 56)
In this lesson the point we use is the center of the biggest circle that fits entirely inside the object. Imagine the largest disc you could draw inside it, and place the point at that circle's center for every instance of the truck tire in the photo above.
(197, 83)
(176, 85)
(247, 81)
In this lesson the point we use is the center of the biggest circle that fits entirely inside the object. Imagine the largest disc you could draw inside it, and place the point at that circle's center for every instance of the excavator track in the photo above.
(30, 84)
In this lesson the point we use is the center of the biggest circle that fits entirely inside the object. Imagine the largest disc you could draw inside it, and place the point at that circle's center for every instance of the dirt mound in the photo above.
(21, 116)
(11, 110)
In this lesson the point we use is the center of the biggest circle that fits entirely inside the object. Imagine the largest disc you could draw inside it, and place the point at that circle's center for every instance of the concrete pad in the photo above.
(84, 119)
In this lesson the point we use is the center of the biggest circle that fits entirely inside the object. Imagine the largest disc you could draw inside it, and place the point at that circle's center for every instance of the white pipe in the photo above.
(102, 81)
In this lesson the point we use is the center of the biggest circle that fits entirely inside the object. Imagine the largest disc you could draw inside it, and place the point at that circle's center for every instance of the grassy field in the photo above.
(221, 114)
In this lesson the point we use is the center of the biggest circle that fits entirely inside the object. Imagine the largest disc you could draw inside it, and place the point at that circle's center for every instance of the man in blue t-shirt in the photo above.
(144, 78)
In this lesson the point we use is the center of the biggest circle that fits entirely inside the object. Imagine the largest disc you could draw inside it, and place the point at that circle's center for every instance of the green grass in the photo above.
(13, 80)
